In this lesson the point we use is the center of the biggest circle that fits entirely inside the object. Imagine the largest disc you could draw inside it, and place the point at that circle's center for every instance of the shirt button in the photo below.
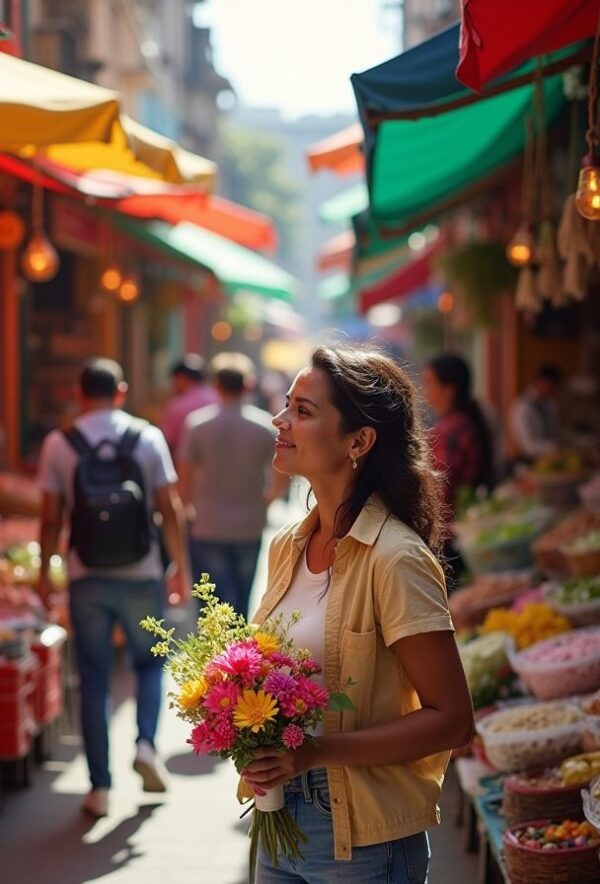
(336, 800)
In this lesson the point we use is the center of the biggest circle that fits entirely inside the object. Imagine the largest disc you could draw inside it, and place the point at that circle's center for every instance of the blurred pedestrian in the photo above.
(461, 438)
(227, 480)
(191, 390)
(362, 568)
(108, 474)
(534, 415)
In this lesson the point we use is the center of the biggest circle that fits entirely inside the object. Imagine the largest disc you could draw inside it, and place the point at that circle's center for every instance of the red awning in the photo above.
(498, 35)
(412, 275)
(340, 153)
(147, 198)
(336, 253)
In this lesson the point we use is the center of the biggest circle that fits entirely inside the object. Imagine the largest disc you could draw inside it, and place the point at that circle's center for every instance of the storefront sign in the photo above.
(75, 229)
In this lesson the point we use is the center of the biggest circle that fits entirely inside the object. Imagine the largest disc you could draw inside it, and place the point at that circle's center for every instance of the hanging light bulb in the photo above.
(519, 251)
(111, 278)
(129, 290)
(587, 197)
(40, 259)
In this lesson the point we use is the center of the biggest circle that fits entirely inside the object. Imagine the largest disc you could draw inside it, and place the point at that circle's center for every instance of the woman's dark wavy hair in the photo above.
(370, 389)
(453, 371)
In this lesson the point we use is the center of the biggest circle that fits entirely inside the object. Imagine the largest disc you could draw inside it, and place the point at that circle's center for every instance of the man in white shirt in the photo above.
(534, 415)
(126, 588)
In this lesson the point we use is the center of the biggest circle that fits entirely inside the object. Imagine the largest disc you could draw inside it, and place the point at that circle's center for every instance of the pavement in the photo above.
(190, 835)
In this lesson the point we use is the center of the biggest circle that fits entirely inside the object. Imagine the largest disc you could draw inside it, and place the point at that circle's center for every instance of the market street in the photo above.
(192, 835)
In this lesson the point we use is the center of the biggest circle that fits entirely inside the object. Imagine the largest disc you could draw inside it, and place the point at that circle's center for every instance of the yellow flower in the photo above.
(191, 693)
(267, 644)
(254, 709)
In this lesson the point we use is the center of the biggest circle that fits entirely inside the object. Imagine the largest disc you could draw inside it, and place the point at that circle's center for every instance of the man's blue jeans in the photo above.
(96, 605)
(403, 861)
(231, 567)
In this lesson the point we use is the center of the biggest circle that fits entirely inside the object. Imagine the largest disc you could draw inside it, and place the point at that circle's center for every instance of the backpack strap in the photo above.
(77, 440)
(130, 437)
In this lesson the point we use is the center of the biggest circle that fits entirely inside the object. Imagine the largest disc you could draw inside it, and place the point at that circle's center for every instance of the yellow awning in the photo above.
(39, 106)
(78, 124)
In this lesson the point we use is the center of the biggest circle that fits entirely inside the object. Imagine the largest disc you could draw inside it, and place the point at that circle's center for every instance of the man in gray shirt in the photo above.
(227, 481)
(125, 592)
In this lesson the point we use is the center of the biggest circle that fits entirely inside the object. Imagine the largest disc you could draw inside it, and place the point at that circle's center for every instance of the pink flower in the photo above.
(241, 659)
(280, 659)
(223, 735)
(292, 736)
(221, 698)
(310, 667)
(201, 739)
(315, 696)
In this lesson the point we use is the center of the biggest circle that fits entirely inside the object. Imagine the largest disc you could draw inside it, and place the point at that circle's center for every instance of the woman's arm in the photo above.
(445, 721)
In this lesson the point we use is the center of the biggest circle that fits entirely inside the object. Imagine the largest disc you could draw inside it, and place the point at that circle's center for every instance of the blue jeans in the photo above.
(403, 861)
(96, 604)
(231, 567)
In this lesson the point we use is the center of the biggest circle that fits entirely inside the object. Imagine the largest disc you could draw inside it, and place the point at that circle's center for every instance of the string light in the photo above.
(130, 289)
(40, 261)
(587, 196)
(111, 278)
(520, 249)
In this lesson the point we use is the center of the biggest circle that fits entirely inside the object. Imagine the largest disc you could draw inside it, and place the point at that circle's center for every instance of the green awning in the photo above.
(236, 268)
(334, 287)
(344, 205)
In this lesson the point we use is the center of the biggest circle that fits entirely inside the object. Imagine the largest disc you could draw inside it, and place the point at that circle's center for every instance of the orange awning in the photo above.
(340, 153)
(336, 253)
(149, 198)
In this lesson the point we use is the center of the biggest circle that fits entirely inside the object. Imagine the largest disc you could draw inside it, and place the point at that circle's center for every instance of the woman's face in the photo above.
(439, 396)
(309, 440)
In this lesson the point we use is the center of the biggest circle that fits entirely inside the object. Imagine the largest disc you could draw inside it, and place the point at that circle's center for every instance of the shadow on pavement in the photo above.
(187, 764)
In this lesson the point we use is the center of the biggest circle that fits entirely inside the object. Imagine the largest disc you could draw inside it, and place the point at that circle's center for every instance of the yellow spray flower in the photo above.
(191, 693)
(254, 709)
(267, 644)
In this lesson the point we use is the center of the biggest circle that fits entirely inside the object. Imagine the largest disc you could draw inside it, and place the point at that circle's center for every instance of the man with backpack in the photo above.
(109, 474)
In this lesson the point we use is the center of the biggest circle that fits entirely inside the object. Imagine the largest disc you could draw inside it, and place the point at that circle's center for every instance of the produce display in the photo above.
(558, 836)
(531, 735)
(536, 621)
(562, 666)
(578, 591)
(588, 543)
(580, 769)
(548, 548)
(487, 669)
(470, 604)
(563, 463)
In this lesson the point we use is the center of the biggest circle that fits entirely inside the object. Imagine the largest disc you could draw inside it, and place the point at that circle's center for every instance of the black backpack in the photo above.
(110, 521)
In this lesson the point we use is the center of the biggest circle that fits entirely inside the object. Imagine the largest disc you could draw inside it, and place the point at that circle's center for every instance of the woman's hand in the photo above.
(270, 767)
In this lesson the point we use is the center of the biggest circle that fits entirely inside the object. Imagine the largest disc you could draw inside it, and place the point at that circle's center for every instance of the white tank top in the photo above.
(307, 593)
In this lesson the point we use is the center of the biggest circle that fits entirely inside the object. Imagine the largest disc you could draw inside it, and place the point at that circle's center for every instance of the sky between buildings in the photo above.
(298, 56)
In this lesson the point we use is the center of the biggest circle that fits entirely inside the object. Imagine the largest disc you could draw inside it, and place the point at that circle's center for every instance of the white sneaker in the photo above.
(151, 770)
(95, 803)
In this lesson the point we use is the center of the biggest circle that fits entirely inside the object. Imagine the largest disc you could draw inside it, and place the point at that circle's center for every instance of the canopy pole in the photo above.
(10, 379)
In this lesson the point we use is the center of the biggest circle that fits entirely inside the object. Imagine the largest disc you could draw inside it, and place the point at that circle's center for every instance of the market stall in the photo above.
(528, 625)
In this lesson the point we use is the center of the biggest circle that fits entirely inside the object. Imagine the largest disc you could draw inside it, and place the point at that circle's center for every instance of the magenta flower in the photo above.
(278, 658)
(221, 698)
(282, 686)
(310, 667)
(315, 696)
(242, 660)
(292, 736)
(201, 739)
(223, 735)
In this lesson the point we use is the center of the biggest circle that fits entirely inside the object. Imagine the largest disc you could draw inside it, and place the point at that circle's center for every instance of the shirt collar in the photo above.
(365, 529)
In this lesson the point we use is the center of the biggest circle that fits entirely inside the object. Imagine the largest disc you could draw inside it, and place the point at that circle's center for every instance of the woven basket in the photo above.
(525, 865)
(521, 802)
(583, 564)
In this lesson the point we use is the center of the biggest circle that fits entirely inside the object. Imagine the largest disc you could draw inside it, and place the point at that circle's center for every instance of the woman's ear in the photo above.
(365, 439)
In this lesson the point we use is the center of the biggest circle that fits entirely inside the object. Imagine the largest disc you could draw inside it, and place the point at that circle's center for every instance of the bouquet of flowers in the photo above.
(241, 687)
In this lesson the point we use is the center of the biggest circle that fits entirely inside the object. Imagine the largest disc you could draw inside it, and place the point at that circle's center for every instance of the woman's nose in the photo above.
(281, 419)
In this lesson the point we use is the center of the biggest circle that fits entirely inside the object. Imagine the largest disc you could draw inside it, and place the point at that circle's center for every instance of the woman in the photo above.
(363, 570)
(461, 438)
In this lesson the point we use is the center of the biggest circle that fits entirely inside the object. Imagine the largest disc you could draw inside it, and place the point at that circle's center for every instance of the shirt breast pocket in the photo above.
(357, 669)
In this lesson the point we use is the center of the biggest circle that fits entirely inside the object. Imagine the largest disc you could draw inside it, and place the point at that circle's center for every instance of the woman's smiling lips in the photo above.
(280, 442)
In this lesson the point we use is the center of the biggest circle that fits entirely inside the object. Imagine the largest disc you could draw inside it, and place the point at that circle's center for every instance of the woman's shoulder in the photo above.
(399, 543)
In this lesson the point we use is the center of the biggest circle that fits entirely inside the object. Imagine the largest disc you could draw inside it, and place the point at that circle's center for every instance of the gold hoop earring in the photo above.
(354, 463)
